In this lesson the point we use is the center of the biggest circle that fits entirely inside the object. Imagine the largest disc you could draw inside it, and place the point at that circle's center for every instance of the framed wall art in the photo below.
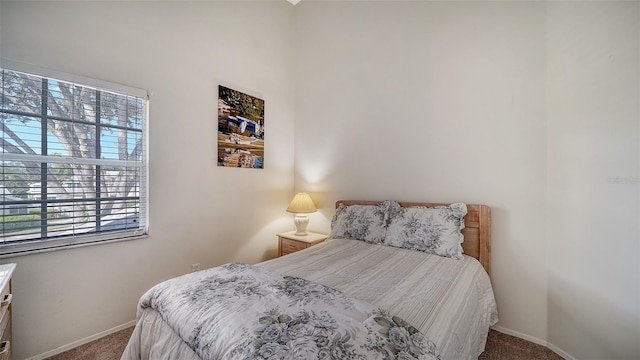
(240, 129)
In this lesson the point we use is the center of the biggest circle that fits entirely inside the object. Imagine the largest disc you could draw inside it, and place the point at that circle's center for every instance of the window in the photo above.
(73, 163)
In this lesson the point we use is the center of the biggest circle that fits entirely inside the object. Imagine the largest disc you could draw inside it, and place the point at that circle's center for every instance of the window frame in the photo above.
(38, 245)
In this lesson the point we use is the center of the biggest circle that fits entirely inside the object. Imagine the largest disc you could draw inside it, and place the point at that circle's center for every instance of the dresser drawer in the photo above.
(5, 350)
(5, 314)
(5, 334)
(6, 272)
(291, 246)
(5, 328)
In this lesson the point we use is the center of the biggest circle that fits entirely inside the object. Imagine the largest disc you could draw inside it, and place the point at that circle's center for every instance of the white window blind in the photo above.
(73, 164)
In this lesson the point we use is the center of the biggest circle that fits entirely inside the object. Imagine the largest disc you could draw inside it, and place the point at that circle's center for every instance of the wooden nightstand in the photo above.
(289, 243)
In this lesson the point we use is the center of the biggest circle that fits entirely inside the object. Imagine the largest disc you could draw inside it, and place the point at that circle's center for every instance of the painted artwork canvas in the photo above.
(240, 129)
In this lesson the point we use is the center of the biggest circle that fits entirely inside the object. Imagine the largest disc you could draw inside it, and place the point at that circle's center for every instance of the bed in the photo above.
(448, 301)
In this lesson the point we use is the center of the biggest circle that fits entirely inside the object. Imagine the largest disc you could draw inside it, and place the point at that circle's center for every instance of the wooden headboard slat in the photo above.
(477, 231)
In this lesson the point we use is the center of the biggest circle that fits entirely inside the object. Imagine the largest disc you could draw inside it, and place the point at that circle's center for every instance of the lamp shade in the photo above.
(302, 203)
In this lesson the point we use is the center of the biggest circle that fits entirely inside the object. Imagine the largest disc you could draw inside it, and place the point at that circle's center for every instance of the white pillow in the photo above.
(361, 222)
(435, 230)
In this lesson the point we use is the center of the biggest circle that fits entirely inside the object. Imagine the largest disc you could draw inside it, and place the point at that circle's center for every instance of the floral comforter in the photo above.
(239, 311)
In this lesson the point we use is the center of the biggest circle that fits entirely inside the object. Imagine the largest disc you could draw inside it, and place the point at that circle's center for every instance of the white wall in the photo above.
(529, 107)
(432, 101)
(180, 52)
(593, 120)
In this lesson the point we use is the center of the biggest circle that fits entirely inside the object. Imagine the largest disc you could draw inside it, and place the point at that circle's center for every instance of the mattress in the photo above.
(450, 301)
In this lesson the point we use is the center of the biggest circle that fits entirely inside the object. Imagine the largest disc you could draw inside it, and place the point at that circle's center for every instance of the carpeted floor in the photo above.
(504, 347)
(499, 347)
(109, 347)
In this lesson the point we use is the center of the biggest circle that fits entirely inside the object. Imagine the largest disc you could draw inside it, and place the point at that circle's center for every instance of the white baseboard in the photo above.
(534, 340)
(520, 335)
(560, 352)
(86, 340)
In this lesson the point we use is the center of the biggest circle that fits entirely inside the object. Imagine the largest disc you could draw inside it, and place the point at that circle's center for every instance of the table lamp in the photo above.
(301, 205)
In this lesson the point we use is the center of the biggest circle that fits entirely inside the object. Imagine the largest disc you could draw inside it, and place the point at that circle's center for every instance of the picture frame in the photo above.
(240, 129)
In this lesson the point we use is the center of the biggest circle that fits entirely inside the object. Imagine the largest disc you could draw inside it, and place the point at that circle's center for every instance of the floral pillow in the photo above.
(361, 222)
(435, 230)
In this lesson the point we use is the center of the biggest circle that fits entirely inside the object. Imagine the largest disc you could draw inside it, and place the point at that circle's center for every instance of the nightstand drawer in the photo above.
(290, 246)
(289, 242)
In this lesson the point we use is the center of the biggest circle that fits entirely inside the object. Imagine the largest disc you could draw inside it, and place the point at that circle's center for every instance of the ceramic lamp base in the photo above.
(301, 221)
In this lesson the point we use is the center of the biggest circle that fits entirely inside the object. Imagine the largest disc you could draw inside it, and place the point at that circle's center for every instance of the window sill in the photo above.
(16, 250)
